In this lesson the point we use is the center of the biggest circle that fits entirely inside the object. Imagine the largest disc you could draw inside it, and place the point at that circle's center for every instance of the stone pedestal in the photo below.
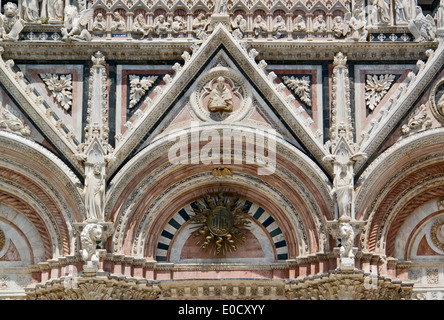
(220, 18)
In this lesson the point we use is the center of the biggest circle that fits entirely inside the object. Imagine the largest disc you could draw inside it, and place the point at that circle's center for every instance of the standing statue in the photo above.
(439, 16)
(343, 191)
(55, 10)
(380, 12)
(30, 10)
(220, 7)
(94, 193)
(75, 24)
(220, 98)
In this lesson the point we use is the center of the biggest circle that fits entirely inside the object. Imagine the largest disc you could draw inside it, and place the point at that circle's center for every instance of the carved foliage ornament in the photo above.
(376, 88)
(138, 87)
(418, 121)
(300, 86)
(60, 86)
(12, 120)
(220, 220)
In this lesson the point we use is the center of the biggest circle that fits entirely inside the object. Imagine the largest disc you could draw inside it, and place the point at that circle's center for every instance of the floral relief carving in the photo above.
(138, 87)
(419, 120)
(376, 88)
(300, 86)
(12, 120)
(60, 86)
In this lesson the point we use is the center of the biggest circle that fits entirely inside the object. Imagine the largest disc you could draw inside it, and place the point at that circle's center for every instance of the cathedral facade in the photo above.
(227, 149)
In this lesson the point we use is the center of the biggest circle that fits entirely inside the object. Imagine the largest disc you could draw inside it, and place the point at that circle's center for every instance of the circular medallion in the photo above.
(437, 233)
(221, 94)
(220, 221)
(437, 100)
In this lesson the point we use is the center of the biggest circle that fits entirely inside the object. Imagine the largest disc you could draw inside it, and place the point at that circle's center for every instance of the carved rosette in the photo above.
(376, 88)
(238, 88)
(60, 86)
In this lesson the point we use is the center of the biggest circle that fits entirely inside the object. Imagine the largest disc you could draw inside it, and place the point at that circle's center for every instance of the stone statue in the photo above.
(139, 25)
(10, 23)
(94, 193)
(259, 27)
(401, 10)
(90, 236)
(99, 25)
(439, 16)
(75, 24)
(200, 26)
(358, 30)
(422, 27)
(320, 25)
(380, 12)
(279, 27)
(239, 26)
(161, 27)
(55, 10)
(347, 236)
(299, 25)
(343, 191)
(220, 98)
(177, 26)
(220, 7)
(30, 10)
(117, 24)
(338, 27)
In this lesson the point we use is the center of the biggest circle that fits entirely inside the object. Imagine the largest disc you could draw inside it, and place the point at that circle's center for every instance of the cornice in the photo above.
(172, 49)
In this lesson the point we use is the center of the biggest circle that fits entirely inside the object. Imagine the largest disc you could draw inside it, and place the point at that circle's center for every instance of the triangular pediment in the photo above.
(183, 98)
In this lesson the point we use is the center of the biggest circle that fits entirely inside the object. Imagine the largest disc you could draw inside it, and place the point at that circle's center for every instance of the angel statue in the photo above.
(75, 24)
(422, 27)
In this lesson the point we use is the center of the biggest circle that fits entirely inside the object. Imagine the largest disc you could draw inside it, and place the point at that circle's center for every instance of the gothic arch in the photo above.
(136, 201)
(401, 179)
(37, 184)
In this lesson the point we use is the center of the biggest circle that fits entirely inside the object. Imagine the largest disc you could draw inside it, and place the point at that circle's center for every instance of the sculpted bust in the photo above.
(220, 98)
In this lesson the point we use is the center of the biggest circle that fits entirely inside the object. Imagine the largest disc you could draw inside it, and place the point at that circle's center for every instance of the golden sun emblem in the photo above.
(221, 220)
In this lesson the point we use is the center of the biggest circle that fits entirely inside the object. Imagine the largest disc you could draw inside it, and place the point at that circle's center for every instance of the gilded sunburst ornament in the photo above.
(221, 219)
